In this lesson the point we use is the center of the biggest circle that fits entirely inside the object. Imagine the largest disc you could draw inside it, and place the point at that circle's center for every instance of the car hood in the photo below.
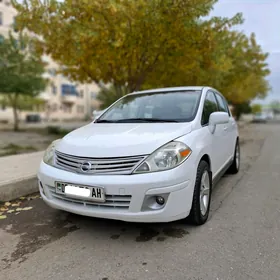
(120, 140)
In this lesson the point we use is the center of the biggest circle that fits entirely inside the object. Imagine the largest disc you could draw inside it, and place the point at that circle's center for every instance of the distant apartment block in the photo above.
(63, 99)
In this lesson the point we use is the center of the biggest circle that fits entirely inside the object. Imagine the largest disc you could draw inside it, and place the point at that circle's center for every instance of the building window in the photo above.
(93, 95)
(68, 90)
(1, 18)
(67, 108)
(81, 93)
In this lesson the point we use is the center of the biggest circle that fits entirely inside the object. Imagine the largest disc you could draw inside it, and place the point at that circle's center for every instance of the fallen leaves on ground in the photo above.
(16, 206)
(27, 208)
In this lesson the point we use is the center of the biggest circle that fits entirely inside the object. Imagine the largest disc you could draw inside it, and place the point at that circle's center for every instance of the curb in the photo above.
(19, 175)
(18, 188)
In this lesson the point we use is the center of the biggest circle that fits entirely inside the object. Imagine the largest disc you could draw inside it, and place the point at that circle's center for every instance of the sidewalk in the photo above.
(18, 175)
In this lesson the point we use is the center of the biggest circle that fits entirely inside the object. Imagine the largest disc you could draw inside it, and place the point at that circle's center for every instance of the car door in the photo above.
(217, 139)
(229, 128)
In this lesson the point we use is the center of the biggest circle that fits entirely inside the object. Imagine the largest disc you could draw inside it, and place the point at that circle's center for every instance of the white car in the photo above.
(153, 156)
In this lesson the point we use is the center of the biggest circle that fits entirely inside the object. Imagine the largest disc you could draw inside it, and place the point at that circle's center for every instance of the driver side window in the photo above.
(210, 106)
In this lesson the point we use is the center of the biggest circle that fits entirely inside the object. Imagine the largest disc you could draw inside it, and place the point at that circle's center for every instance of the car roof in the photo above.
(168, 89)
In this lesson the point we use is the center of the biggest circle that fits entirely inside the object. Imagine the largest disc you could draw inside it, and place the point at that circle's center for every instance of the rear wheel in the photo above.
(202, 194)
(234, 168)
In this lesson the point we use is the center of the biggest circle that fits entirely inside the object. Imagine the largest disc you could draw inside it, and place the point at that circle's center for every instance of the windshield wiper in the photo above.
(137, 120)
(105, 121)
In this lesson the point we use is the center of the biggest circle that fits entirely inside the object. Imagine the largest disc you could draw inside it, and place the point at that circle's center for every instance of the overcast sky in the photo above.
(263, 18)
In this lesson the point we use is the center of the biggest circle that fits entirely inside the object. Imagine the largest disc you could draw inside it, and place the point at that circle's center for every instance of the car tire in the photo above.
(202, 194)
(234, 168)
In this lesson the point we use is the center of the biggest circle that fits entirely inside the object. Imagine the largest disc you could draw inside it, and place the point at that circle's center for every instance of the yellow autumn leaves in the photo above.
(15, 206)
(148, 43)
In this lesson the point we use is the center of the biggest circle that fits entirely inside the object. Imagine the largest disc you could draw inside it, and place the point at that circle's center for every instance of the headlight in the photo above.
(166, 157)
(49, 153)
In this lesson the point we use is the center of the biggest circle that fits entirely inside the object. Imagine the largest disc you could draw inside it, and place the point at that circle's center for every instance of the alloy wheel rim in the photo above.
(204, 192)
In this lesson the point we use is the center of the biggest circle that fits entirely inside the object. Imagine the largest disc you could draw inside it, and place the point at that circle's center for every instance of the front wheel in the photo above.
(202, 194)
(234, 168)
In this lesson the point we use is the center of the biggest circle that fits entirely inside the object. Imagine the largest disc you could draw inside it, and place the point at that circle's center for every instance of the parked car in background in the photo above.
(260, 117)
(153, 156)
(33, 118)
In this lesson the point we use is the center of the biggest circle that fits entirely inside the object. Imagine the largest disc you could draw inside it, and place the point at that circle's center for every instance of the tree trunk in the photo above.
(16, 120)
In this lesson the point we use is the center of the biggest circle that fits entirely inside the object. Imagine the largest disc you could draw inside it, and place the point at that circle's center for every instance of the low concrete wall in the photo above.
(19, 188)
(19, 175)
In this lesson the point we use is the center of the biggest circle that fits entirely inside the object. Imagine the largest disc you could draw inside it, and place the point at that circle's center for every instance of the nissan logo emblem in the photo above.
(85, 166)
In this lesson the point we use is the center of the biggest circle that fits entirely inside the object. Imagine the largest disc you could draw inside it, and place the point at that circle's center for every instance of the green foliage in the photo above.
(241, 108)
(21, 72)
(26, 103)
(56, 130)
(109, 94)
(143, 44)
(256, 108)
(275, 106)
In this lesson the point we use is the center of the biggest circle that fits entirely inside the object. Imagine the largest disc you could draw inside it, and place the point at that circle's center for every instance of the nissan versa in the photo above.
(152, 156)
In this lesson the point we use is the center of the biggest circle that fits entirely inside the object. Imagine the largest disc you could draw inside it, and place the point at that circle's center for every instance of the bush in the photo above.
(53, 130)
(56, 130)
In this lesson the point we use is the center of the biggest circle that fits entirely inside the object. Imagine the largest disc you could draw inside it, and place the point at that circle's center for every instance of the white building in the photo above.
(64, 100)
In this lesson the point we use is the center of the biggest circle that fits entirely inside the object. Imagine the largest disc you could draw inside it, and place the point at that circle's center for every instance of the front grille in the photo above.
(121, 165)
(112, 201)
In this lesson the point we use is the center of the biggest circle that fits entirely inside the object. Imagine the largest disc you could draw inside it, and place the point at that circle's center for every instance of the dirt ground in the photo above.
(23, 142)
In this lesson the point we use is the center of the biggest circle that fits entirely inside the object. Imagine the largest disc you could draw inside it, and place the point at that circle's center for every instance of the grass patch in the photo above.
(49, 130)
(56, 130)
(14, 149)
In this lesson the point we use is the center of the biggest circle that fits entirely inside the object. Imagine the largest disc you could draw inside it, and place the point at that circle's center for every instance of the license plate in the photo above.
(89, 193)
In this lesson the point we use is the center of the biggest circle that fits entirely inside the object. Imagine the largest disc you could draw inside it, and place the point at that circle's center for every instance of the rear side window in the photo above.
(222, 104)
(210, 106)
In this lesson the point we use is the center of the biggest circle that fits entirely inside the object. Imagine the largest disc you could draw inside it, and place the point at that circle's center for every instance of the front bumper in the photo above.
(127, 194)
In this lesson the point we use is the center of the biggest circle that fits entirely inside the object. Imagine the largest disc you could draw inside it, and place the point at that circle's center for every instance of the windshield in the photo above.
(180, 106)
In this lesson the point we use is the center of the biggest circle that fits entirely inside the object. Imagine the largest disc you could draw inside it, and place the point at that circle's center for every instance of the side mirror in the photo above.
(217, 118)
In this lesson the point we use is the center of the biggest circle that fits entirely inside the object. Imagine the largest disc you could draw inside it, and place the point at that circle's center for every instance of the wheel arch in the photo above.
(206, 158)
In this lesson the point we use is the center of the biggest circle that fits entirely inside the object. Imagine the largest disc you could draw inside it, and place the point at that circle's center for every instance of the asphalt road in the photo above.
(240, 241)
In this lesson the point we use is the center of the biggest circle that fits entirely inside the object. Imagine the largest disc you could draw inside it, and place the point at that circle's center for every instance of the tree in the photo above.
(275, 106)
(256, 108)
(20, 71)
(108, 95)
(141, 44)
(241, 108)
